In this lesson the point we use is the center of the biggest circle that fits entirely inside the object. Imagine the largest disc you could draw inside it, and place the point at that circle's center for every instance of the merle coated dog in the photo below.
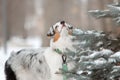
(42, 63)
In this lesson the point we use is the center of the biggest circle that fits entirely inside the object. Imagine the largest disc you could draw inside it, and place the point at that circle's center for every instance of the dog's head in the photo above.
(58, 27)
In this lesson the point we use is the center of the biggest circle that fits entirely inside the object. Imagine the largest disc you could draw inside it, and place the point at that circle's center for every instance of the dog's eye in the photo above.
(56, 27)
(71, 27)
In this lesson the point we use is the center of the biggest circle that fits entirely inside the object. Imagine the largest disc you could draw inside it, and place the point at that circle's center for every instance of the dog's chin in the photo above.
(70, 32)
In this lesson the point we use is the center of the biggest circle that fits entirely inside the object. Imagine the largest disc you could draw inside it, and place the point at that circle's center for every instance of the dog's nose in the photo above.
(62, 22)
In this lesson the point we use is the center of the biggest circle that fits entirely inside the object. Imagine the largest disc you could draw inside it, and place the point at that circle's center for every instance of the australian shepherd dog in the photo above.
(43, 63)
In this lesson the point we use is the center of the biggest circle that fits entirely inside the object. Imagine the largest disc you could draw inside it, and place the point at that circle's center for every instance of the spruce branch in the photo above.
(113, 12)
(97, 56)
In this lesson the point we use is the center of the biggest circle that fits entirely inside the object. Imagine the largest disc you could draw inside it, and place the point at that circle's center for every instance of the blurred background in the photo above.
(26, 22)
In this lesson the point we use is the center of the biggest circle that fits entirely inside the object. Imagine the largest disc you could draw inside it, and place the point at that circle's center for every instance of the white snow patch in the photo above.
(79, 72)
(117, 54)
(83, 42)
(95, 54)
(106, 52)
(100, 61)
(89, 32)
(78, 31)
(99, 43)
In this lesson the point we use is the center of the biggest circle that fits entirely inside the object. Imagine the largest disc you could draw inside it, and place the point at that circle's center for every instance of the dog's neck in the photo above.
(61, 40)
(64, 32)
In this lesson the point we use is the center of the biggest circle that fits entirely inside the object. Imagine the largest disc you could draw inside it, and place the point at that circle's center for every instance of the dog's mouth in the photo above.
(50, 35)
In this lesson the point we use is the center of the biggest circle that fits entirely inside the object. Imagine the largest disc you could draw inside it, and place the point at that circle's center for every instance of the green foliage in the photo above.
(96, 56)
(113, 12)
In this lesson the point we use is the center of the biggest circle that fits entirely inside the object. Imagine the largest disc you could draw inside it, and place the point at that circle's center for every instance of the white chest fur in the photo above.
(54, 61)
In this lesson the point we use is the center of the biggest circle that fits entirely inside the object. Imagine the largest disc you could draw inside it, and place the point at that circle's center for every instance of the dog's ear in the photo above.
(63, 23)
(51, 32)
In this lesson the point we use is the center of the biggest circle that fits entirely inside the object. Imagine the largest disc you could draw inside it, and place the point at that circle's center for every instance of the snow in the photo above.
(95, 55)
(106, 52)
(15, 44)
(117, 54)
(78, 31)
(83, 42)
(99, 43)
(100, 61)
(115, 57)
(97, 34)
(79, 72)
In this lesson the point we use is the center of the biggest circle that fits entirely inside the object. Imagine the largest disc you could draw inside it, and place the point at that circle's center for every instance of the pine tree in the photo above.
(97, 56)
(113, 12)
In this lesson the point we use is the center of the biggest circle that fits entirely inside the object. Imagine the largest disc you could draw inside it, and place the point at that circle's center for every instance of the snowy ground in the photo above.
(16, 44)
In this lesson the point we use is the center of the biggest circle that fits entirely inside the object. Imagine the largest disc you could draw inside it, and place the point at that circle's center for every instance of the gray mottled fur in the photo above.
(28, 63)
